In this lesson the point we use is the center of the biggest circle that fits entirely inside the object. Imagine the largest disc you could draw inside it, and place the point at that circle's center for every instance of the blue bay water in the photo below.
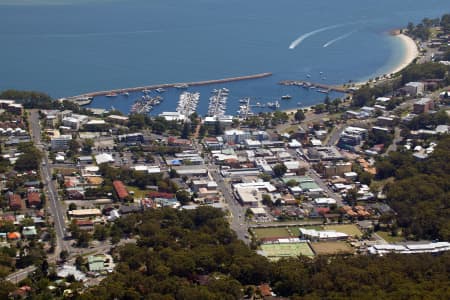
(70, 47)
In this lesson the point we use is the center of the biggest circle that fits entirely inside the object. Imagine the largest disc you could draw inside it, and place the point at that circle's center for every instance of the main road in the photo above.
(54, 205)
(237, 218)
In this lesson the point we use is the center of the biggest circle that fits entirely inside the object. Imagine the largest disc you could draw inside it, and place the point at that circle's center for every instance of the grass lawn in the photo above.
(389, 238)
(277, 251)
(329, 248)
(138, 193)
(271, 232)
(349, 229)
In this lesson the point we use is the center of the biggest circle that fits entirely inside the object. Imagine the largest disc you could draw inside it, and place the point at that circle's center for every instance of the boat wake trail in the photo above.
(341, 37)
(303, 37)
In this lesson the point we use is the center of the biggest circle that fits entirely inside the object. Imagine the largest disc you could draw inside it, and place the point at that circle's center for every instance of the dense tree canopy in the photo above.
(420, 194)
(194, 255)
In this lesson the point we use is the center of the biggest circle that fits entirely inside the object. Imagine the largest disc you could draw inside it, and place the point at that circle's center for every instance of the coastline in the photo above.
(410, 53)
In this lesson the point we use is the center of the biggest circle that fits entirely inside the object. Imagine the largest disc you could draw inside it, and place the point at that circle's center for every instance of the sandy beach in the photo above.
(411, 52)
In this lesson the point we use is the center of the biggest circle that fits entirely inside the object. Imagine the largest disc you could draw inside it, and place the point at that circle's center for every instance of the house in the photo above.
(96, 263)
(15, 202)
(85, 224)
(34, 199)
(29, 232)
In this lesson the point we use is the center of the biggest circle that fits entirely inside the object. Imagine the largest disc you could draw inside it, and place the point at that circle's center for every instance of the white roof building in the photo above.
(324, 201)
(104, 158)
(294, 144)
(322, 235)
(410, 248)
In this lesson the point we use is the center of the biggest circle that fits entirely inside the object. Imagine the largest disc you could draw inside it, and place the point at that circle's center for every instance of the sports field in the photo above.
(277, 251)
(328, 248)
(271, 232)
(349, 229)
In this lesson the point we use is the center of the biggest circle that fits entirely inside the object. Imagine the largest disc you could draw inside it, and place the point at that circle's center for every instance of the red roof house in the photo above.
(34, 199)
(15, 202)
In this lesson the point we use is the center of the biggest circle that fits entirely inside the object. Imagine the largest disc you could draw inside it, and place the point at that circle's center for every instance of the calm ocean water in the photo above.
(69, 47)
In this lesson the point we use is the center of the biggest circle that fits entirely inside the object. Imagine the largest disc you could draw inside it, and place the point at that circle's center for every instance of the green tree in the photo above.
(299, 115)
(279, 170)
(183, 197)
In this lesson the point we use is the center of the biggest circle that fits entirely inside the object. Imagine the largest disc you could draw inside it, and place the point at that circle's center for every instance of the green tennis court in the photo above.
(277, 251)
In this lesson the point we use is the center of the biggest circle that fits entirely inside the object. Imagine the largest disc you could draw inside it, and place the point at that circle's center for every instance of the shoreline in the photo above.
(410, 53)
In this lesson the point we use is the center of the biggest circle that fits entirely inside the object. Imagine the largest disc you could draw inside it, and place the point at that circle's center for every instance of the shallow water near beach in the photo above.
(71, 47)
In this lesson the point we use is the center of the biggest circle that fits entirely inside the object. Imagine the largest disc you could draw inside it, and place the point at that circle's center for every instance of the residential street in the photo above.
(54, 204)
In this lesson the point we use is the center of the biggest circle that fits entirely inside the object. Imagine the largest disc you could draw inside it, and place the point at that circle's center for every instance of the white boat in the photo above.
(126, 94)
(273, 105)
(111, 95)
(181, 86)
(160, 90)
(286, 97)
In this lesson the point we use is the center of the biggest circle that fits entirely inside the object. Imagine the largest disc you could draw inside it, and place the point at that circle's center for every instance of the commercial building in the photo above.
(423, 105)
(337, 169)
(414, 88)
(131, 139)
(250, 194)
(85, 213)
(61, 142)
(410, 248)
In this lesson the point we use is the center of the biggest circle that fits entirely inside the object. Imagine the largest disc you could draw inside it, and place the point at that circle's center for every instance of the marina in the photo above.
(145, 104)
(187, 104)
(273, 105)
(321, 88)
(217, 102)
(146, 89)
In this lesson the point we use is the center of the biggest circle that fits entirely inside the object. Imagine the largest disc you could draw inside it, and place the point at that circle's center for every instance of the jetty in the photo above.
(320, 86)
(165, 86)
(218, 102)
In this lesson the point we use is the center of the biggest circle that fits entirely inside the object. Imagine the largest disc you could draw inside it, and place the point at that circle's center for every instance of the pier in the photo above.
(166, 85)
(321, 86)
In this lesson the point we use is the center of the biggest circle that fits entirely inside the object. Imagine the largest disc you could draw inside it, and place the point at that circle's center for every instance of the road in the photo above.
(20, 274)
(54, 204)
(237, 218)
(335, 134)
(313, 174)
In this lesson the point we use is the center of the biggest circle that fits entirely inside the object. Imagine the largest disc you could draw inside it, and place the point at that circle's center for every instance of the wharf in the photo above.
(168, 85)
(324, 87)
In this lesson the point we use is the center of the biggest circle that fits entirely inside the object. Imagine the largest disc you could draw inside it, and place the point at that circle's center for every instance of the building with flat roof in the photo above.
(410, 248)
(85, 213)
(61, 142)
(423, 105)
